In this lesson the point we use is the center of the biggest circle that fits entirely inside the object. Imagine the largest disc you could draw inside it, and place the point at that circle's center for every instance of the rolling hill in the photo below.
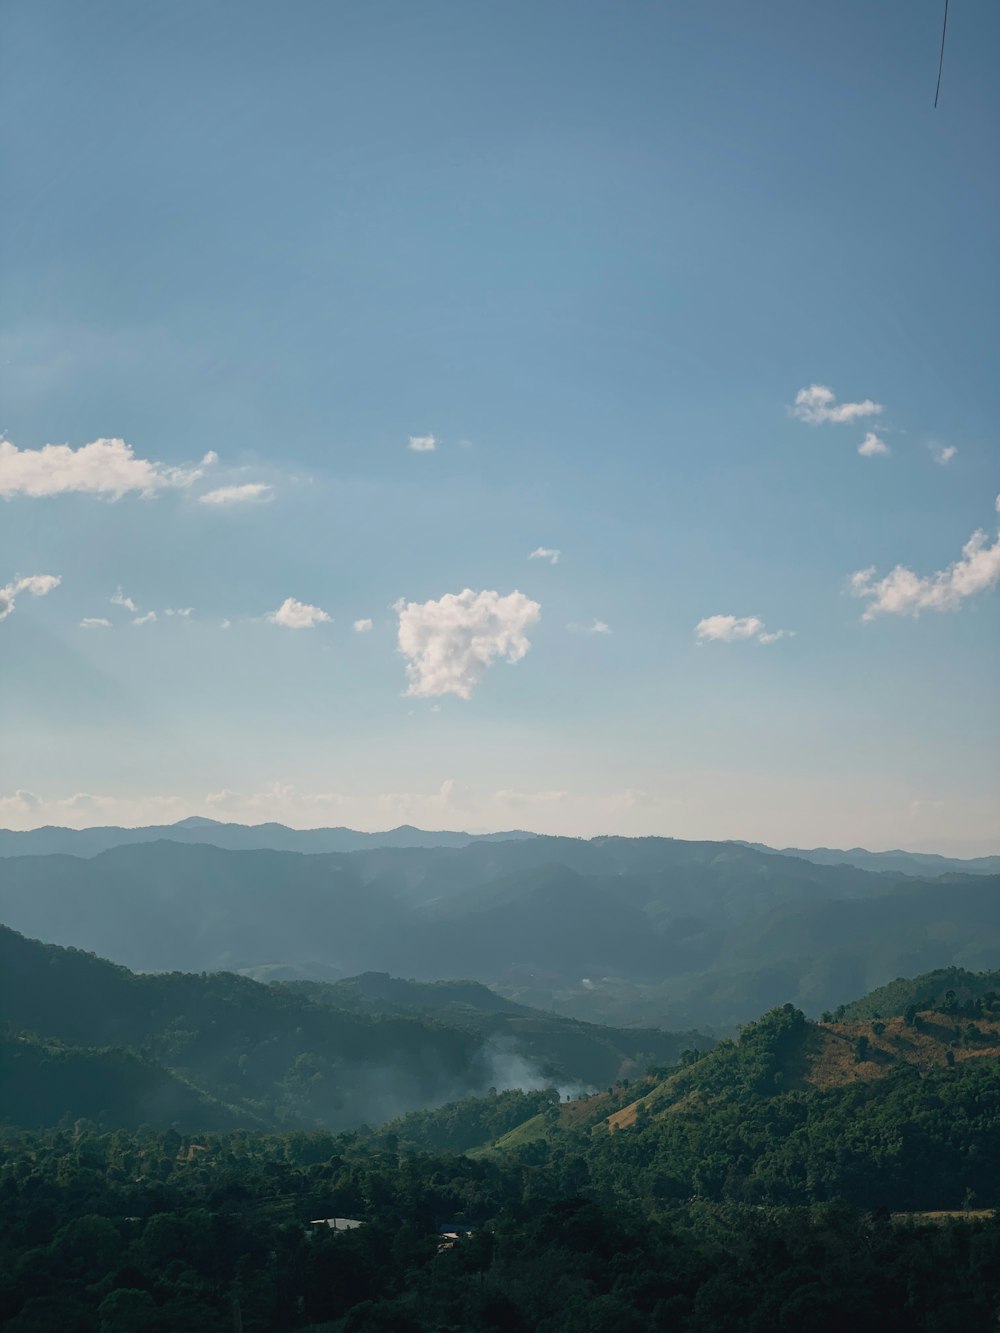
(87, 1038)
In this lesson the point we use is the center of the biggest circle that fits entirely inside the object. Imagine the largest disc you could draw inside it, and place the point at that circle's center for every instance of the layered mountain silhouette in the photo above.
(652, 930)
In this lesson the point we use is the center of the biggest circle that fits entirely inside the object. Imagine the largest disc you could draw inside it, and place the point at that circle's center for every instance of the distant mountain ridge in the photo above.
(53, 839)
(196, 829)
(921, 864)
(634, 931)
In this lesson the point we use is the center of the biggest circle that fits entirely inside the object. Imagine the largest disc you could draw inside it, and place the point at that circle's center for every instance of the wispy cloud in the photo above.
(119, 599)
(106, 468)
(423, 444)
(249, 492)
(871, 446)
(595, 627)
(95, 622)
(904, 593)
(36, 585)
(733, 629)
(293, 614)
(818, 404)
(362, 626)
(148, 619)
(943, 453)
(449, 643)
(183, 611)
(549, 553)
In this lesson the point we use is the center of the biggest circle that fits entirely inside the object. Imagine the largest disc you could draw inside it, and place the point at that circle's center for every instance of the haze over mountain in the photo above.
(83, 1037)
(657, 931)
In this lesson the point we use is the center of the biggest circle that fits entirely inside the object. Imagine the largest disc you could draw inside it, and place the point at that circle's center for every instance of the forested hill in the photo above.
(794, 1179)
(96, 1041)
(646, 931)
(951, 989)
(903, 1112)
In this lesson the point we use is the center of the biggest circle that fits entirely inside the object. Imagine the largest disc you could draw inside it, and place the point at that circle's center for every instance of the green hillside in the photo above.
(796, 1176)
(947, 987)
(902, 1112)
(218, 1050)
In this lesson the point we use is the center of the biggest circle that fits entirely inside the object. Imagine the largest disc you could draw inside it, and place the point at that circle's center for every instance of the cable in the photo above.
(944, 29)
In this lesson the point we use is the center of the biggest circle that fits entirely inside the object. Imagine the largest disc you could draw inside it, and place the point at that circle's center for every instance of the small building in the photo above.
(336, 1223)
(450, 1234)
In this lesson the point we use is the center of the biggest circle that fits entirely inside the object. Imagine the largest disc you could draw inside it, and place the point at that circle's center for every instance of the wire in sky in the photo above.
(944, 29)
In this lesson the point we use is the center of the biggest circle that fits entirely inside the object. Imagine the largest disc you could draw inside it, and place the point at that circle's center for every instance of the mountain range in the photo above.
(657, 931)
(279, 837)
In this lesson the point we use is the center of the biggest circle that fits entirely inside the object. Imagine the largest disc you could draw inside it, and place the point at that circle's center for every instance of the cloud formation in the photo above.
(595, 627)
(361, 626)
(36, 585)
(423, 444)
(943, 453)
(903, 593)
(548, 553)
(119, 599)
(732, 629)
(107, 468)
(817, 404)
(449, 643)
(293, 614)
(249, 493)
(147, 619)
(95, 622)
(871, 446)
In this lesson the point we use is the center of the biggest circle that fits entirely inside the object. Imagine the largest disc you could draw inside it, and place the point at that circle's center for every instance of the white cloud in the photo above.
(104, 467)
(548, 553)
(184, 611)
(147, 619)
(449, 643)
(248, 493)
(225, 624)
(943, 453)
(731, 629)
(903, 593)
(95, 622)
(595, 627)
(36, 585)
(293, 614)
(362, 626)
(120, 599)
(423, 444)
(817, 404)
(872, 445)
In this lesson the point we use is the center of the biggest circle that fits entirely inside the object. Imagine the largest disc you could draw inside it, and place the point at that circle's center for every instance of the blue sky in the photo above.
(592, 250)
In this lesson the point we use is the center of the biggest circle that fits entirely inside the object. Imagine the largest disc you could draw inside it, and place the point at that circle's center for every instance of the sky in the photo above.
(563, 415)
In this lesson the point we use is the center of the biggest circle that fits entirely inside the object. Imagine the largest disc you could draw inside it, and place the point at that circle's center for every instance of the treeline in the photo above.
(948, 989)
(164, 1234)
